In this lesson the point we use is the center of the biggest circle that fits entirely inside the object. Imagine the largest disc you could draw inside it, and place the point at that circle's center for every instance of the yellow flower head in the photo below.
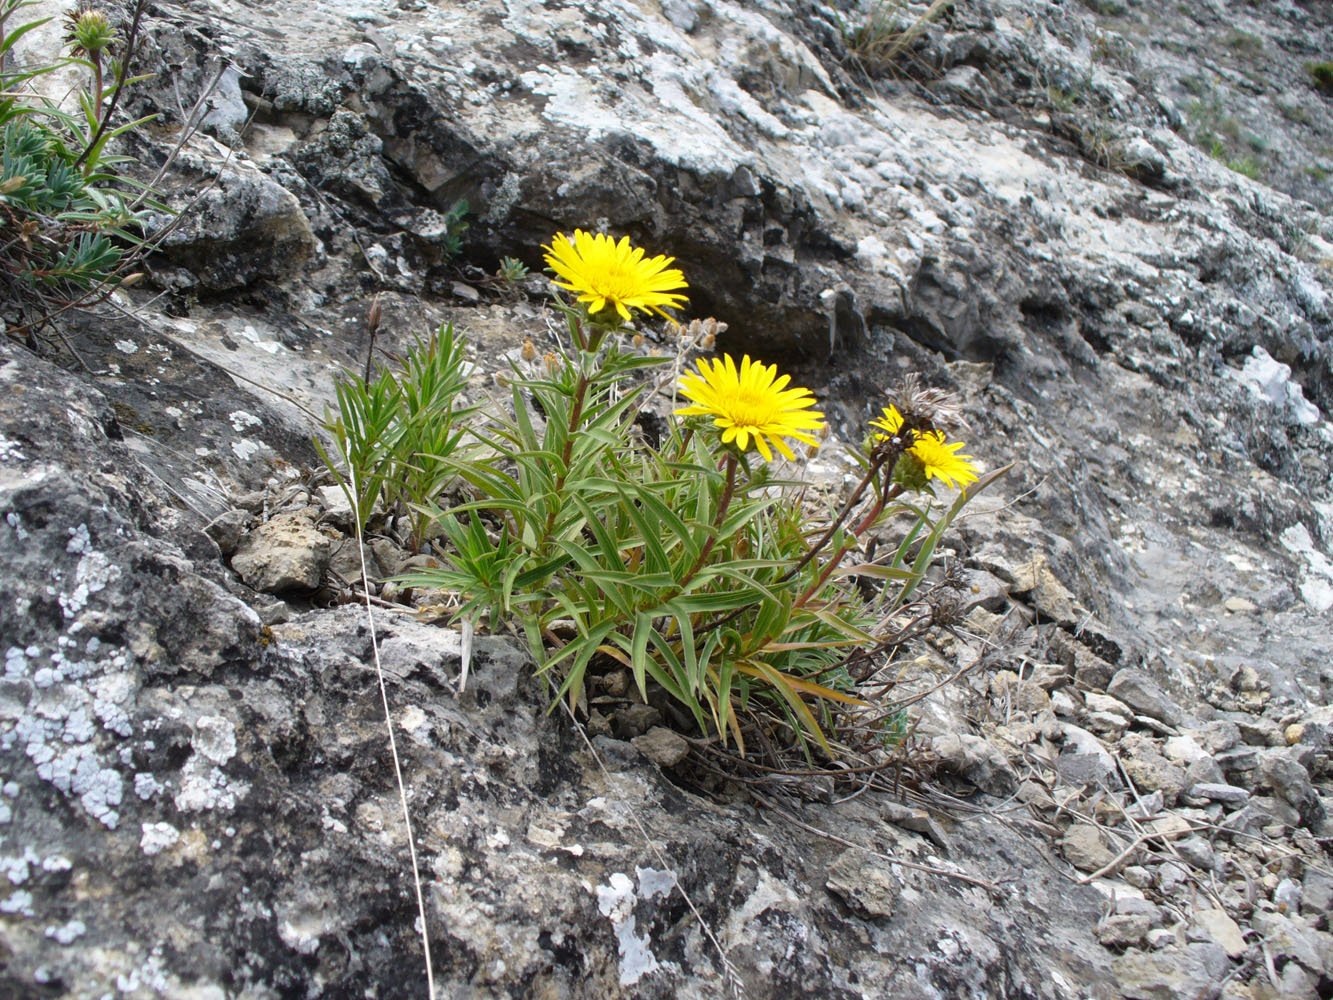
(940, 458)
(753, 402)
(605, 274)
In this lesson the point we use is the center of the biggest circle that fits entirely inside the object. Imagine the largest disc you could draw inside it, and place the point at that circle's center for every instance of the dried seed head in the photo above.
(702, 332)
(947, 608)
(374, 315)
(638, 340)
(551, 362)
(929, 407)
(529, 350)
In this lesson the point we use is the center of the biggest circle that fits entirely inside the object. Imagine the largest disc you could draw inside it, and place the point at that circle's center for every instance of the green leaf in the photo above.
(643, 628)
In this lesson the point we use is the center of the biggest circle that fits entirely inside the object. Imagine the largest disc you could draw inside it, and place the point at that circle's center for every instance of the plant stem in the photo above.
(96, 59)
(122, 72)
(724, 501)
(567, 452)
(878, 460)
(860, 528)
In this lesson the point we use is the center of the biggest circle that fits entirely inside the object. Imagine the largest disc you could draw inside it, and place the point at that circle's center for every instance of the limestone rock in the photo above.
(1226, 794)
(1141, 693)
(241, 228)
(976, 761)
(1123, 930)
(228, 529)
(664, 747)
(1142, 330)
(1316, 892)
(1085, 760)
(1221, 929)
(864, 883)
(1086, 849)
(1171, 973)
(285, 554)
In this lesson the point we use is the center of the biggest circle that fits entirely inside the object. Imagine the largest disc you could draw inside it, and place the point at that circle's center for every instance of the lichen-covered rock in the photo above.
(976, 761)
(1022, 214)
(241, 228)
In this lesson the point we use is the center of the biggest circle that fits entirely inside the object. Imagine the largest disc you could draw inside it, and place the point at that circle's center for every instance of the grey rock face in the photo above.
(1172, 973)
(865, 884)
(173, 770)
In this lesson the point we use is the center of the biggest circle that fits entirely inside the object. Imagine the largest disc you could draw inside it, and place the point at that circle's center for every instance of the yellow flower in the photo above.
(605, 274)
(940, 458)
(752, 403)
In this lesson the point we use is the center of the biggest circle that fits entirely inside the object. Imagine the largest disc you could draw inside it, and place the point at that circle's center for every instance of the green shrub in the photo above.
(68, 220)
(1244, 42)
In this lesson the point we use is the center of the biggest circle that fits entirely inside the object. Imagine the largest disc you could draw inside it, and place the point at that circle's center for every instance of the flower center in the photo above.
(751, 409)
(616, 284)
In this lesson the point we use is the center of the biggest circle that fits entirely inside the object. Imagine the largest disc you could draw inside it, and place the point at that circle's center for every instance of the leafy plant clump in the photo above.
(395, 431)
(693, 562)
(887, 30)
(1321, 76)
(67, 218)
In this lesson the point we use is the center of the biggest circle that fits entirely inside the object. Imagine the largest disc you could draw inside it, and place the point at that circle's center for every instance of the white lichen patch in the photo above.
(215, 738)
(655, 883)
(242, 420)
(73, 705)
(67, 933)
(246, 448)
(157, 837)
(203, 788)
(19, 901)
(146, 785)
(11, 451)
(17, 869)
(127, 347)
(93, 573)
(616, 901)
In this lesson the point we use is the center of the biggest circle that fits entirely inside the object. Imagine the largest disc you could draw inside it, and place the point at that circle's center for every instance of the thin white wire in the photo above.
(393, 745)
